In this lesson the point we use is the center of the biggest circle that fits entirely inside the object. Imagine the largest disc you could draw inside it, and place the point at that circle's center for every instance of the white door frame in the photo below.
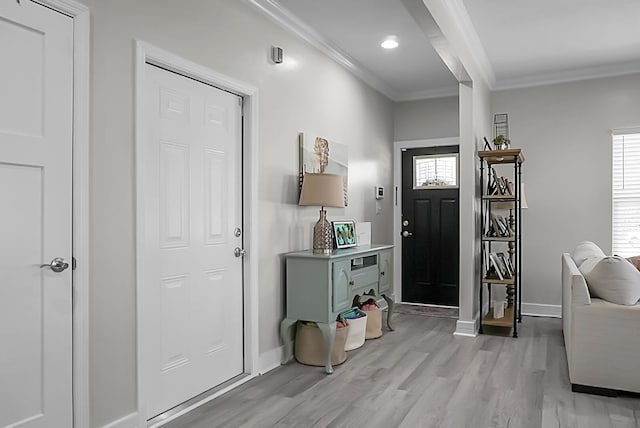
(149, 54)
(398, 146)
(81, 131)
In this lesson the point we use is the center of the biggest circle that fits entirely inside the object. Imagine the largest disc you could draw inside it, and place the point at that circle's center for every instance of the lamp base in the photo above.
(322, 239)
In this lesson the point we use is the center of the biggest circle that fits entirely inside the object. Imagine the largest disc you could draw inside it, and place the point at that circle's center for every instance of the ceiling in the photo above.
(524, 43)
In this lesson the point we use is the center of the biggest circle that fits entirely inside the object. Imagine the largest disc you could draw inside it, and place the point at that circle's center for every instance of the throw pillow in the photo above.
(615, 280)
(585, 250)
(635, 261)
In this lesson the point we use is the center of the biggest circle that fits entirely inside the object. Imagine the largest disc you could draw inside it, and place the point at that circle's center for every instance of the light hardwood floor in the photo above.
(422, 376)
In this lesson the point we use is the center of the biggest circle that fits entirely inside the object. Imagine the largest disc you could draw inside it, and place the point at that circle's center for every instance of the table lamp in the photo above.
(323, 190)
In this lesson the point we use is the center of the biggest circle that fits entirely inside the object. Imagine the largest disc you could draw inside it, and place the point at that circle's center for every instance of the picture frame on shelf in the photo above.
(487, 146)
(344, 234)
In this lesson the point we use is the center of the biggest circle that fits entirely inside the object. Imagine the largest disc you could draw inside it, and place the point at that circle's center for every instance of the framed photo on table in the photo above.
(344, 234)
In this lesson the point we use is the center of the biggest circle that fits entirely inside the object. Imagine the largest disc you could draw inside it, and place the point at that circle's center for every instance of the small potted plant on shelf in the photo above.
(501, 142)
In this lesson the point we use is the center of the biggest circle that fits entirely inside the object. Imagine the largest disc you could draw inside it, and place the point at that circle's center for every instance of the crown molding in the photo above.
(460, 15)
(575, 75)
(290, 22)
(443, 92)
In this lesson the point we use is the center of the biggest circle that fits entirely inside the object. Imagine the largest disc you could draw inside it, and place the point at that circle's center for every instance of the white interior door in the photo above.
(36, 81)
(191, 196)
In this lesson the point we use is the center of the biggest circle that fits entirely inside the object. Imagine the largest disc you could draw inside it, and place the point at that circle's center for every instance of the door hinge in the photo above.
(73, 263)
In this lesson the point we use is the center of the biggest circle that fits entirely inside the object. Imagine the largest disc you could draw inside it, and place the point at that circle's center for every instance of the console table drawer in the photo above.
(365, 279)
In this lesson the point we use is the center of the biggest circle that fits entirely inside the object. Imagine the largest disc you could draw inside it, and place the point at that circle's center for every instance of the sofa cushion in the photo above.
(615, 280)
(585, 250)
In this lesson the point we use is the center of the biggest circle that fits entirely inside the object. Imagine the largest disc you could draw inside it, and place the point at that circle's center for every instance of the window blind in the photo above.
(626, 194)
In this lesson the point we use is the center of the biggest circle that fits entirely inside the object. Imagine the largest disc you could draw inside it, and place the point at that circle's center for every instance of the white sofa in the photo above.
(602, 339)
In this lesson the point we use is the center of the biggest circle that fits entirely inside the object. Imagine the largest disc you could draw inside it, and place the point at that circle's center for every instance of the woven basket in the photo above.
(309, 346)
(357, 333)
(374, 324)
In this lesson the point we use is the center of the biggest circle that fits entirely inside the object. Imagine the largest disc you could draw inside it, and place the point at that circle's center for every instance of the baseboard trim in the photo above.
(466, 328)
(129, 421)
(271, 360)
(539, 310)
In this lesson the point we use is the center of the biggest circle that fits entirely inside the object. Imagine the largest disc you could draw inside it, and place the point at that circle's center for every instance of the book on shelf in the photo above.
(492, 186)
(503, 186)
(498, 268)
(485, 254)
(496, 182)
(504, 260)
(500, 226)
(494, 263)
(511, 187)
(510, 265)
(486, 223)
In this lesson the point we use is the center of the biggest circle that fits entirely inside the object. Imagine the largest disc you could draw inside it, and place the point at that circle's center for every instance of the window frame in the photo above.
(624, 201)
(437, 155)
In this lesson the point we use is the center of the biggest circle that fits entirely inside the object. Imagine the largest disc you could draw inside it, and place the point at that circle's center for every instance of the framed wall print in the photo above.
(344, 234)
(320, 155)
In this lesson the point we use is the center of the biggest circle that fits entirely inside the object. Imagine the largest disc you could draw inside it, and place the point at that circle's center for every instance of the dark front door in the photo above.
(430, 226)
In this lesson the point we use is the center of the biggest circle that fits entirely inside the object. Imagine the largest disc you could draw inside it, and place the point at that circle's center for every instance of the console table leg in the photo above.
(390, 305)
(329, 334)
(285, 326)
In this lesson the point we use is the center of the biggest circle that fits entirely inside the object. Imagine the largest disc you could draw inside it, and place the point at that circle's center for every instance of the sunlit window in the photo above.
(626, 194)
(435, 171)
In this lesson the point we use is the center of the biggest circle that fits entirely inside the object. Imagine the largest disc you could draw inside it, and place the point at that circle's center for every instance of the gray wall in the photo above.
(565, 133)
(313, 95)
(430, 118)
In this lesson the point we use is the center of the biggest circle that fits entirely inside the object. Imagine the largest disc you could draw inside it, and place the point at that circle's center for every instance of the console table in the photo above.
(320, 286)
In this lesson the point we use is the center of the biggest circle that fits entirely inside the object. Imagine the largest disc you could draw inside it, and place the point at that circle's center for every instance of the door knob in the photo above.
(239, 252)
(405, 234)
(57, 265)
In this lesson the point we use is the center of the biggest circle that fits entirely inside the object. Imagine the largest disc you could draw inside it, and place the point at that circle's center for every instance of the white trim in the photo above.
(540, 310)
(397, 202)
(625, 131)
(129, 421)
(290, 22)
(575, 75)
(146, 53)
(466, 328)
(271, 359)
(472, 42)
(443, 92)
(81, 132)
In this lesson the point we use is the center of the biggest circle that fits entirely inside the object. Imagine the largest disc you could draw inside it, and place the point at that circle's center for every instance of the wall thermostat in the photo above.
(379, 192)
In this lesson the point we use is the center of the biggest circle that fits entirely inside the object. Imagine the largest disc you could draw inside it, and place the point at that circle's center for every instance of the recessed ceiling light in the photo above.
(390, 43)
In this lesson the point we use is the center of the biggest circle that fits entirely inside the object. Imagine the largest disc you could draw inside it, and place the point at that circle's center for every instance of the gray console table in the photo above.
(320, 286)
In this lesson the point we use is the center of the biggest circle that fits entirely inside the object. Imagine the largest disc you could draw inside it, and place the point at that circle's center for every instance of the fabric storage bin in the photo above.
(357, 333)
(374, 324)
(309, 345)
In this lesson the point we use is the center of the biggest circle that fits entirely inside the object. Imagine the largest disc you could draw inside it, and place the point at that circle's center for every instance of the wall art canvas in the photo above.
(320, 155)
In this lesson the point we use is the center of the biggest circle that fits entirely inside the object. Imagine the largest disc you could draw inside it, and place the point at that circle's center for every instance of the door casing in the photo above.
(149, 54)
(80, 195)
(398, 146)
